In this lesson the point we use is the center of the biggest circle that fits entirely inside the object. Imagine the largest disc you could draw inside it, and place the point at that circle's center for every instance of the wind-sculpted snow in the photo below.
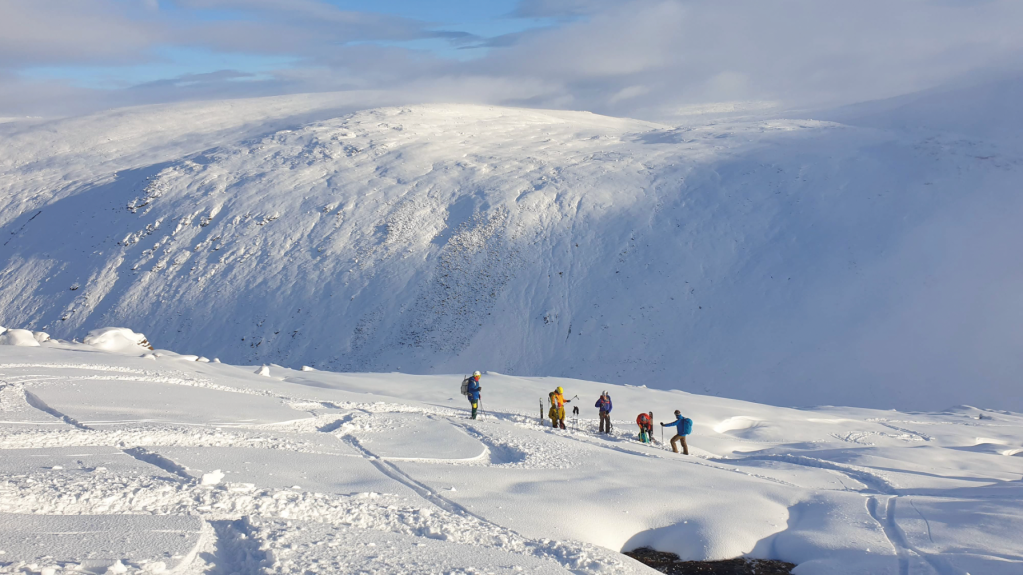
(384, 473)
(98, 490)
(790, 261)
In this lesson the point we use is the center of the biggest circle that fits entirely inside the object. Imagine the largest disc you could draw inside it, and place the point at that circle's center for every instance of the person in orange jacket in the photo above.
(645, 421)
(557, 412)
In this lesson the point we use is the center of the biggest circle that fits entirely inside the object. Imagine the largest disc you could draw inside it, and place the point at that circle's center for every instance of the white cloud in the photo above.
(797, 51)
(644, 58)
(629, 93)
(54, 32)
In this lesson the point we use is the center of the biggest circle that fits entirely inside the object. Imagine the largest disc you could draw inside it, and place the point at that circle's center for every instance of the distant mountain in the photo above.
(985, 108)
(791, 262)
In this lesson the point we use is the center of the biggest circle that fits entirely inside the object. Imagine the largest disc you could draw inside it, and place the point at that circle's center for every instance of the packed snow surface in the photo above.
(870, 261)
(111, 462)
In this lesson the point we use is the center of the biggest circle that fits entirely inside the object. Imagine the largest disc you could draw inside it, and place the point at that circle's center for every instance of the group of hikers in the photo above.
(683, 425)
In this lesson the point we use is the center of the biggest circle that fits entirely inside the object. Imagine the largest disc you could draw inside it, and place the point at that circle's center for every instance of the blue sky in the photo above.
(481, 19)
(639, 58)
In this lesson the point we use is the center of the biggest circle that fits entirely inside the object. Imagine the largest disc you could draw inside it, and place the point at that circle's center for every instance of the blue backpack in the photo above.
(687, 426)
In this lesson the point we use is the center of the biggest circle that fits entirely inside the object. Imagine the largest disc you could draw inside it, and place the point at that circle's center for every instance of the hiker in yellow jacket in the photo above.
(557, 411)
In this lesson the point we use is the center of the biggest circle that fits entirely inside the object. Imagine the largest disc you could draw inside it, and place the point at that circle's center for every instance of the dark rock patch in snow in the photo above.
(670, 563)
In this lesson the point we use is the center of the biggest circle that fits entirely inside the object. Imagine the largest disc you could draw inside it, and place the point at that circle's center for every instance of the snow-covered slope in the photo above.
(988, 110)
(793, 262)
(161, 462)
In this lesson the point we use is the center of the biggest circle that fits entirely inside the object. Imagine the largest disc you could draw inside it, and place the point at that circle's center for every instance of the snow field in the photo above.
(328, 472)
(156, 543)
(175, 485)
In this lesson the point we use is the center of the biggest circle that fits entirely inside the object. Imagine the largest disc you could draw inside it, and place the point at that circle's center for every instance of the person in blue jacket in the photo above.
(474, 390)
(604, 405)
(680, 433)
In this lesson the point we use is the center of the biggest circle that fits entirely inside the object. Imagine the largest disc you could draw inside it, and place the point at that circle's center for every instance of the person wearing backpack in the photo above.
(604, 405)
(645, 421)
(684, 427)
(472, 391)
(553, 411)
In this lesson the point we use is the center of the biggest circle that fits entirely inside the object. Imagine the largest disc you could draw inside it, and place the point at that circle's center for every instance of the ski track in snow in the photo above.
(237, 547)
(248, 525)
(911, 560)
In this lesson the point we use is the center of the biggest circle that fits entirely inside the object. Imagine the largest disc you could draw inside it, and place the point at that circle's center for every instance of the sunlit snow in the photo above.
(783, 282)
(785, 261)
(110, 459)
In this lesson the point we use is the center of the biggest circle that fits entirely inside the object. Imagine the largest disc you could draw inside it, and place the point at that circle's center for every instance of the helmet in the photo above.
(559, 390)
(677, 412)
(476, 374)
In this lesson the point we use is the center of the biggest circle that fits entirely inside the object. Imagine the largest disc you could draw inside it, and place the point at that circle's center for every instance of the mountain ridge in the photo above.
(751, 259)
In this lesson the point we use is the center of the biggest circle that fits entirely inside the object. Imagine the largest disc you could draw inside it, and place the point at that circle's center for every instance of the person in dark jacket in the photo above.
(474, 390)
(604, 405)
(680, 433)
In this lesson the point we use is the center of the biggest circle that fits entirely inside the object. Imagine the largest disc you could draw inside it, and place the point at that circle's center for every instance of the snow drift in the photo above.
(786, 261)
(18, 337)
(117, 339)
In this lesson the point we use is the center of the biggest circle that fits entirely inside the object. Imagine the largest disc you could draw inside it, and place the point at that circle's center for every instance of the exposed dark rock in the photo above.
(670, 563)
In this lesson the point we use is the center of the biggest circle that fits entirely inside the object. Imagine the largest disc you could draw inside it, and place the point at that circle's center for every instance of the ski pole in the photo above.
(541, 412)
